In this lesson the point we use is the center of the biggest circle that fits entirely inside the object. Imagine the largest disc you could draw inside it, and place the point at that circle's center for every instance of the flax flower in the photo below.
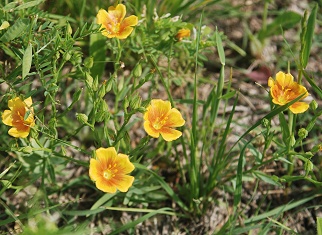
(160, 118)
(183, 33)
(283, 90)
(20, 117)
(109, 170)
(113, 22)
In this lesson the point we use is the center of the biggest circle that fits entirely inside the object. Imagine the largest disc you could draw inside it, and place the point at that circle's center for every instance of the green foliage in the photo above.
(90, 91)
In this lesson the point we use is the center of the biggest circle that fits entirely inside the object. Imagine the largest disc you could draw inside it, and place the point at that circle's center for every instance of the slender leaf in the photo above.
(29, 4)
(308, 37)
(15, 30)
(26, 61)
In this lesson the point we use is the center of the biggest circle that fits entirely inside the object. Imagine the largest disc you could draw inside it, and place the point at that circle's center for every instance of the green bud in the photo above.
(126, 103)
(69, 29)
(141, 109)
(302, 133)
(67, 56)
(26, 149)
(95, 84)
(102, 111)
(108, 85)
(89, 81)
(314, 105)
(135, 102)
(88, 62)
(137, 72)
(82, 118)
(102, 91)
(308, 167)
(266, 123)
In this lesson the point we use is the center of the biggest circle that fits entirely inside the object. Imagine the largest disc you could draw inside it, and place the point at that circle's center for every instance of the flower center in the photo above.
(110, 172)
(107, 174)
(159, 123)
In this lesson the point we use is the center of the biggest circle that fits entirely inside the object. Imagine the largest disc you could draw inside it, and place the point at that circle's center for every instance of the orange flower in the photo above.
(114, 24)
(16, 117)
(183, 33)
(160, 118)
(109, 170)
(283, 90)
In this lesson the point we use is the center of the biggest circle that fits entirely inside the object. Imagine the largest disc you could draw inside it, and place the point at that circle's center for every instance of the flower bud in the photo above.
(137, 72)
(88, 62)
(303, 133)
(314, 105)
(82, 118)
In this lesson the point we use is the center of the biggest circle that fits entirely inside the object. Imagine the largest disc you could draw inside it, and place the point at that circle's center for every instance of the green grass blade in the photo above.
(319, 225)
(140, 220)
(220, 48)
(280, 209)
(26, 61)
(308, 37)
(268, 116)
(315, 87)
(29, 4)
(83, 212)
(164, 185)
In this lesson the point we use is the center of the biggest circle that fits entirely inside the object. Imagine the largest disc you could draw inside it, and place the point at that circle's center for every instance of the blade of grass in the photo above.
(308, 37)
(164, 185)
(136, 222)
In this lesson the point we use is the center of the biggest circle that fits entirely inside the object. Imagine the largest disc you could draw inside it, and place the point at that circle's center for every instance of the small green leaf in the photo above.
(26, 61)
(29, 4)
(15, 30)
(220, 48)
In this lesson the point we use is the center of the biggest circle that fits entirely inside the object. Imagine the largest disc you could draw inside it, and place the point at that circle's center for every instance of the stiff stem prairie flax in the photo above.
(283, 90)
(113, 23)
(160, 118)
(110, 170)
(20, 117)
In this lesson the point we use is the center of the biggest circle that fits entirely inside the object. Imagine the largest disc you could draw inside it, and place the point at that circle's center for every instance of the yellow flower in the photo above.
(15, 117)
(183, 33)
(283, 90)
(109, 170)
(113, 22)
(160, 118)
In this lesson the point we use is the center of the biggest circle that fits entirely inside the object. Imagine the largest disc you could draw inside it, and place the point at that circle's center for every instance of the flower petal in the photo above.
(157, 109)
(124, 33)
(7, 118)
(106, 156)
(174, 119)
(105, 185)
(117, 13)
(123, 182)
(95, 169)
(271, 82)
(124, 166)
(130, 21)
(170, 134)
(150, 130)
(299, 107)
(283, 79)
(28, 102)
(19, 133)
(16, 103)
